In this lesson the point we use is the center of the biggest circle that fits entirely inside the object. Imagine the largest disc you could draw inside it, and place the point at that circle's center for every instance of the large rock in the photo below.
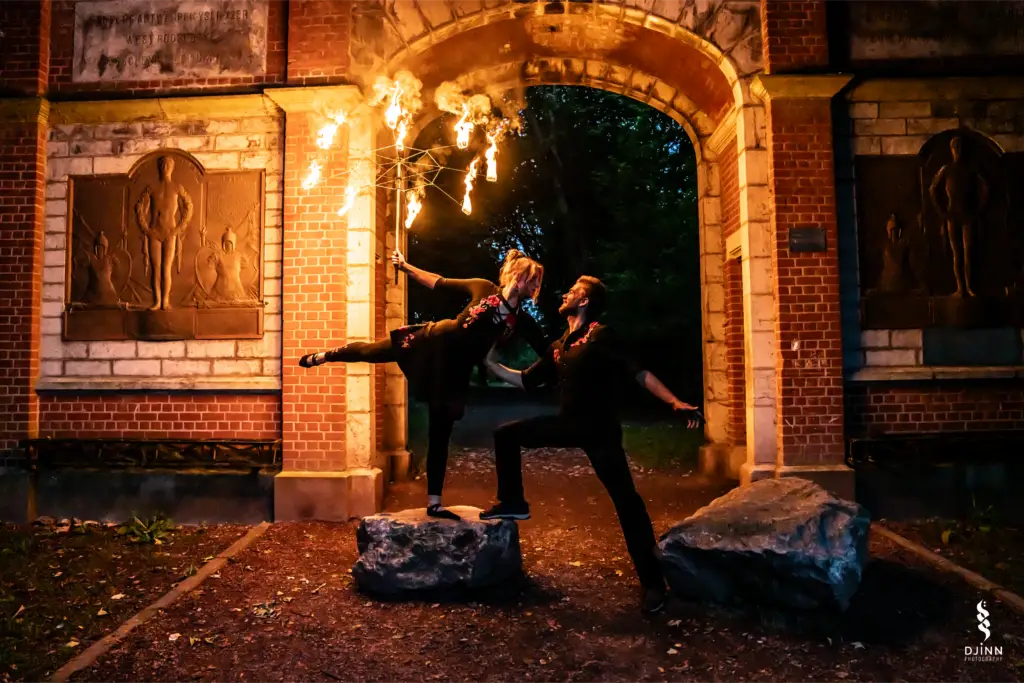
(409, 552)
(786, 542)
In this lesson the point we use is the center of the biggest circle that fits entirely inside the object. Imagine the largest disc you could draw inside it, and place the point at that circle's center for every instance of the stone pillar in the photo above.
(327, 301)
(807, 337)
(395, 435)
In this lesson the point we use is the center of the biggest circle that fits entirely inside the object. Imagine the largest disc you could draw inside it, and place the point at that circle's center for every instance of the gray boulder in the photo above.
(786, 542)
(408, 552)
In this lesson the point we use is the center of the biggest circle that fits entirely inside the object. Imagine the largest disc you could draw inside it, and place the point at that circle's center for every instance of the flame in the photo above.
(312, 177)
(395, 111)
(350, 199)
(463, 128)
(403, 129)
(467, 205)
(492, 154)
(414, 206)
(325, 136)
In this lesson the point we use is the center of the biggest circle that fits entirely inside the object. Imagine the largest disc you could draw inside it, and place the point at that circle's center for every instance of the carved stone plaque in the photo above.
(145, 40)
(941, 236)
(167, 251)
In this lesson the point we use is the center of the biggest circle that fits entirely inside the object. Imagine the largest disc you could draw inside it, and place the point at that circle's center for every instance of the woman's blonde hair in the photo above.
(516, 264)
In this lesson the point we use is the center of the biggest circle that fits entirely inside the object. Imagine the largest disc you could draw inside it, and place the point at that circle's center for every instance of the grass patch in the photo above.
(667, 444)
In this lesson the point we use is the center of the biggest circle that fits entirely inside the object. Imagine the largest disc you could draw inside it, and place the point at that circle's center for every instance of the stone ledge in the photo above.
(259, 385)
(163, 109)
(24, 109)
(917, 374)
(931, 89)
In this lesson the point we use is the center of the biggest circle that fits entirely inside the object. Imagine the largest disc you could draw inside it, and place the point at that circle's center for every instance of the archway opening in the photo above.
(594, 183)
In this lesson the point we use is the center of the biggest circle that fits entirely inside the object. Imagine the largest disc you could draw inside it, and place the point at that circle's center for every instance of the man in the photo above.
(589, 370)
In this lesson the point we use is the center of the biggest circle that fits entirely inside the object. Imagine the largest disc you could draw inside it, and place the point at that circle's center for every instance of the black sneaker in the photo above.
(441, 513)
(507, 511)
(653, 600)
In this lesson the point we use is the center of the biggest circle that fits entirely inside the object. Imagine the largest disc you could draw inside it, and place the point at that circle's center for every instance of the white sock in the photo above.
(433, 500)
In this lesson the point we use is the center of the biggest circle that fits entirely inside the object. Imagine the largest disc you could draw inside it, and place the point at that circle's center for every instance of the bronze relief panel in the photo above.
(167, 251)
(940, 236)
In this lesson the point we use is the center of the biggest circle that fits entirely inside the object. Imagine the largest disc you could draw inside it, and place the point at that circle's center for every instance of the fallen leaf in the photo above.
(102, 613)
(674, 622)
(118, 596)
(72, 643)
(945, 536)
(20, 610)
(57, 574)
(1001, 565)
(576, 564)
(857, 645)
(672, 651)
(173, 637)
(618, 572)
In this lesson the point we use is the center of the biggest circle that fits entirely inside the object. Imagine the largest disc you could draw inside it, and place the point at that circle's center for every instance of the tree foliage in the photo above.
(595, 183)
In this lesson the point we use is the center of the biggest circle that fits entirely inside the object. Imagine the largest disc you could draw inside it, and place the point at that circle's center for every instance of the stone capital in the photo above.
(345, 98)
(798, 87)
(723, 134)
(24, 110)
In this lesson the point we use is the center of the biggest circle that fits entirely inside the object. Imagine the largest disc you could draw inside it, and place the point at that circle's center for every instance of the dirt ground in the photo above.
(63, 587)
(286, 609)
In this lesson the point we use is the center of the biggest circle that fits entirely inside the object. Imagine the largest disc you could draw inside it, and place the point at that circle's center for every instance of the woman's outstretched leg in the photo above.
(439, 427)
(356, 352)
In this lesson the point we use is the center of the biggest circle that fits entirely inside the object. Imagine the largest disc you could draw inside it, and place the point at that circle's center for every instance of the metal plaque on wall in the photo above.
(148, 40)
(168, 251)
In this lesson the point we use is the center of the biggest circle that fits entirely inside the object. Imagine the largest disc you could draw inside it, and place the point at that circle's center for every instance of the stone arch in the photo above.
(695, 64)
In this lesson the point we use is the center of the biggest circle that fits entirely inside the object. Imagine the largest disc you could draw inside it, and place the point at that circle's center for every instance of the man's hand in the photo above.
(692, 422)
(398, 260)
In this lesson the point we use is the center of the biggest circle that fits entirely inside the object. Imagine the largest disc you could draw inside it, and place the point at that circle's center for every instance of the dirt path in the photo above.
(286, 610)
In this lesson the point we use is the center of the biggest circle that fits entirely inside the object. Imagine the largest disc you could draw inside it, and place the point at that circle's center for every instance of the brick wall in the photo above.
(25, 56)
(874, 409)
(314, 299)
(114, 148)
(794, 35)
(61, 49)
(809, 361)
(22, 165)
(735, 352)
(318, 32)
(161, 416)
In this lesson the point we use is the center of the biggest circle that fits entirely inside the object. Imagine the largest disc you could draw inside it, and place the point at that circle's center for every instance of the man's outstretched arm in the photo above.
(654, 385)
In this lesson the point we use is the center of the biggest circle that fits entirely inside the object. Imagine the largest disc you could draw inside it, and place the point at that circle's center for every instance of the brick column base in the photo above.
(328, 496)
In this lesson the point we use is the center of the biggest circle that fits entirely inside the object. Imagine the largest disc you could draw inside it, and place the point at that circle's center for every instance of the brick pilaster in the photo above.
(313, 291)
(318, 34)
(22, 173)
(809, 398)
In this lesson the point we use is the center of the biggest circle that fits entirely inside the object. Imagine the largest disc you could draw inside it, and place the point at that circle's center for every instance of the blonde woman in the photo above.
(438, 358)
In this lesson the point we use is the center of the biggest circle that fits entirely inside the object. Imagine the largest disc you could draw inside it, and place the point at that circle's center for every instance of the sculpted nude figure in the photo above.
(965, 196)
(163, 213)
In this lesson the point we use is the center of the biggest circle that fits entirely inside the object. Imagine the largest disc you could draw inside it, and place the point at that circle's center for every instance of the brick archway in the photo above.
(672, 64)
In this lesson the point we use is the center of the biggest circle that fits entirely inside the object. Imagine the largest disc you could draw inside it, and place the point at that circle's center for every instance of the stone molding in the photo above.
(316, 98)
(920, 374)
(723, 134)
(163, 109)
(24, 110)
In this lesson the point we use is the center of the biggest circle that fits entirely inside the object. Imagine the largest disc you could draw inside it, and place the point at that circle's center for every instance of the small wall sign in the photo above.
(807, 239)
